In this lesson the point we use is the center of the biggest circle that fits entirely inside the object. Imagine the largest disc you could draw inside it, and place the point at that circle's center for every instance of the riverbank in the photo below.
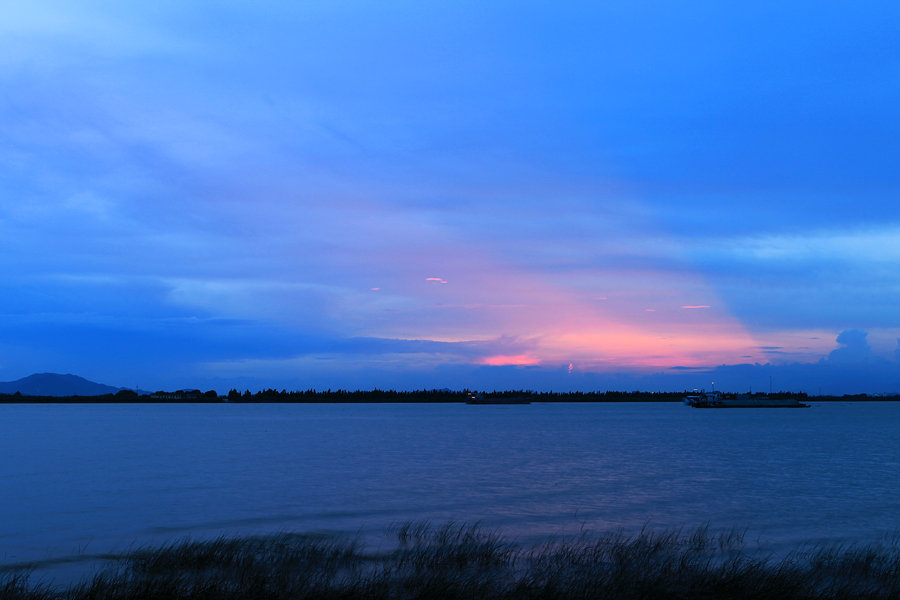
(401, 397)
(466, 562)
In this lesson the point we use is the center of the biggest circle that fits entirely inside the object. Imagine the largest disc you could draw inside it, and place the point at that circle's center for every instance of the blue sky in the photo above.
(637, 195)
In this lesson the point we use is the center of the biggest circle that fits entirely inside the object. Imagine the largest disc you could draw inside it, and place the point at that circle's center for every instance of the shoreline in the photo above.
(420, 397)
(466, 561)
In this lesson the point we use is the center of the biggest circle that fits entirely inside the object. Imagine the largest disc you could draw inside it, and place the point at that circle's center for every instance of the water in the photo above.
(80, 480)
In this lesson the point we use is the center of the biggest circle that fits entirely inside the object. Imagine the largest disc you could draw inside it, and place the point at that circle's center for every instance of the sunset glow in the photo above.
(330, 194)
(518, 360)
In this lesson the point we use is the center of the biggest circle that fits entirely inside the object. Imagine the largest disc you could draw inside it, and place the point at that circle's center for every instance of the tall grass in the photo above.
(459, 561)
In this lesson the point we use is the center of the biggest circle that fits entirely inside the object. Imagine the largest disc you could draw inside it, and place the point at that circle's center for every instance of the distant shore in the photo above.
(465, 562)
(390, 396)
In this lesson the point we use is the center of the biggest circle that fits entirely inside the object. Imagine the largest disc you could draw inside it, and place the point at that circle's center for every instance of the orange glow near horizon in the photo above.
(652, 349)
(519, 360)
(522, 317)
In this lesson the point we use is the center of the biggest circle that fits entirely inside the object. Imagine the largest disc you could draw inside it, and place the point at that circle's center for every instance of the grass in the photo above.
(459, 561)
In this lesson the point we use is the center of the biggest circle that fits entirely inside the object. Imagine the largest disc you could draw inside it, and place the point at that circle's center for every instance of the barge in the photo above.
(703, 399)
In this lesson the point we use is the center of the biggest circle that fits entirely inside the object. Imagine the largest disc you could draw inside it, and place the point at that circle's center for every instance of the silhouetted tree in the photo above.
(126, 396)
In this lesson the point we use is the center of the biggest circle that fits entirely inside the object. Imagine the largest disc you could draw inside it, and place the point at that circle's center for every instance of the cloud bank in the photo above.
(412, 194)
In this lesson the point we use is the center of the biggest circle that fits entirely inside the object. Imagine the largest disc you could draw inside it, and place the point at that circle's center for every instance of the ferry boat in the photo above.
(701, 399)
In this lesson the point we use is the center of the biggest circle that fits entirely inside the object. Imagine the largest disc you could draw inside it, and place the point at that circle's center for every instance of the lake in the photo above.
(78, 480)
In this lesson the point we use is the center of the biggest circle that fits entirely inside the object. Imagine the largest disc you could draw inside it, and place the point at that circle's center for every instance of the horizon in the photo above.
(404, 196)
(46, 378)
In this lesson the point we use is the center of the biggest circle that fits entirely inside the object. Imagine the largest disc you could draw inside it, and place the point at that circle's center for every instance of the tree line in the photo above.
(385, 396)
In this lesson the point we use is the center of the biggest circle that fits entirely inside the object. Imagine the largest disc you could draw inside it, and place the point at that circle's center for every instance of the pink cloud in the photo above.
(520, 360)
(567, 318)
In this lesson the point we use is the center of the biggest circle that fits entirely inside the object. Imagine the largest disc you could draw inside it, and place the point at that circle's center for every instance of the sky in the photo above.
(636, 195)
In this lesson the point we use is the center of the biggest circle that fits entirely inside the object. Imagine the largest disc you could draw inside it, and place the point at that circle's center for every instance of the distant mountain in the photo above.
(54, 384)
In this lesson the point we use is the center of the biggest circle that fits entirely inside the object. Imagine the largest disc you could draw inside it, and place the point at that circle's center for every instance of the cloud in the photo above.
(853, 347)
(819, 277)
(520, 360)
(876, 244)
(145, 148)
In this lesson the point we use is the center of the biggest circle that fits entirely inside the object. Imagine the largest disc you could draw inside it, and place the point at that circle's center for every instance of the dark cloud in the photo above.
(854, 348)
(374, 346)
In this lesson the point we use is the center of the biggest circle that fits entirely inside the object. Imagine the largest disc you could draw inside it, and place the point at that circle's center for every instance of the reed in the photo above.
(461, 562)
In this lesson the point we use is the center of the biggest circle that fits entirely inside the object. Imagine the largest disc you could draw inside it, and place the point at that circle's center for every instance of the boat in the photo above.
(475, 398)
(701, 399)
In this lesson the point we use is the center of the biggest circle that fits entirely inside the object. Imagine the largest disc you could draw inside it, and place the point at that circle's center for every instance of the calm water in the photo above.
(85, 479)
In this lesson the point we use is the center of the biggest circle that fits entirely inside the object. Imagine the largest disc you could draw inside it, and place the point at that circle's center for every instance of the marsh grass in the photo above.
(459, 561)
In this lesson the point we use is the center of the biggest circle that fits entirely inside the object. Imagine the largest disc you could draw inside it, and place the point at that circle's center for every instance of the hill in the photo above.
(54, 384)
